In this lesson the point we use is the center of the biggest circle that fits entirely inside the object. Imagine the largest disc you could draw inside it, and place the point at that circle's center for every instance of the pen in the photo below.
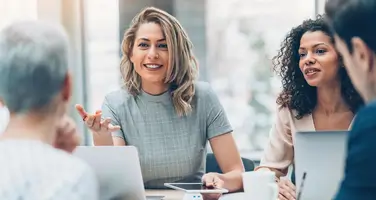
(302, 185)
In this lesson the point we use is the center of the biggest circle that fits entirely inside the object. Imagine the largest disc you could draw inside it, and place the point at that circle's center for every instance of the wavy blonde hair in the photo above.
(183, 64)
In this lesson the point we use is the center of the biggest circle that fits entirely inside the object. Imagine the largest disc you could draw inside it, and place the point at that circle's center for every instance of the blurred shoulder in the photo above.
(203, 90)
(117, 97)
(284, 112)
(285, 115)
(119, 94)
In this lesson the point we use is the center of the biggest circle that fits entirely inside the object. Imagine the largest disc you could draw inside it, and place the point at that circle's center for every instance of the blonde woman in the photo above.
(163, 111)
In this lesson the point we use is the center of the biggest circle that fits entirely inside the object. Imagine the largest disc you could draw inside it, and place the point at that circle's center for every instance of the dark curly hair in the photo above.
(296, 93)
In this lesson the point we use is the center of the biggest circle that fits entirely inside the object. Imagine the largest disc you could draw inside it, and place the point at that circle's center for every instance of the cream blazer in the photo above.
(279, 152)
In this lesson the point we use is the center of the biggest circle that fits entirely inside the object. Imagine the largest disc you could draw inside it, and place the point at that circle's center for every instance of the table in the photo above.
(169, 194)
(178, 195)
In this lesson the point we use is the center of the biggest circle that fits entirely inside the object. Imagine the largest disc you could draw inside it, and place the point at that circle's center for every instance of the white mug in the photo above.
(260, 185)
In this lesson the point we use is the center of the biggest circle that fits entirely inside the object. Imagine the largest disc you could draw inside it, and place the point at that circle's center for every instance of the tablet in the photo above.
(194, 188)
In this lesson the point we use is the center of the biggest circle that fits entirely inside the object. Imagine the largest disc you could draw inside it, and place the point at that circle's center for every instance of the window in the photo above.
(243, 36)
(102, 38)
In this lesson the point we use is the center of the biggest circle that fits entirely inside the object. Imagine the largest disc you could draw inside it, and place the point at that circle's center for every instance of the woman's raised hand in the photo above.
(95, 122)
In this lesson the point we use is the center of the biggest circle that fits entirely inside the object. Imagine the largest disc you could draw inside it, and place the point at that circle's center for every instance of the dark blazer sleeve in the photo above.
(360, 175)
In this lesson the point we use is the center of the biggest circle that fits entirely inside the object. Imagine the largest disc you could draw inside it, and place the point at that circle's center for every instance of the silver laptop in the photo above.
(321, 155)
(118, 170)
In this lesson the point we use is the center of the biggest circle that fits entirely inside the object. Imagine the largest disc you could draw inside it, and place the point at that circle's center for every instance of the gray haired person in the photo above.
(36, 86)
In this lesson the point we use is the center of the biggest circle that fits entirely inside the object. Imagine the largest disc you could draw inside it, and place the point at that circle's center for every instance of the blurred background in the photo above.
(234, 42)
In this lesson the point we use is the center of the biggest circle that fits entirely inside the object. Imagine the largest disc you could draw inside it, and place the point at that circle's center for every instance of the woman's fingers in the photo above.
(93, 122)
(81, 111)
(107, 126)
(291, 189)
(97, 121)
(287, 189)
(105, 123)
(281, 197)
(90, 121)
(212, 180)
(113, 128)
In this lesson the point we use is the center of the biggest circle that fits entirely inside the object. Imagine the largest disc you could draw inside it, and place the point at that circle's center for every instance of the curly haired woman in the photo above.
(317, 95)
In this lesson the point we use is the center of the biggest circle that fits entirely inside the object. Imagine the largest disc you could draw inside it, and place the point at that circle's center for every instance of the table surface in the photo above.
(178, 195)
(169, 194)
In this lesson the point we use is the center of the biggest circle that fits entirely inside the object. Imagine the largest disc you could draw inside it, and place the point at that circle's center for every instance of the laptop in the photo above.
(321, 156)
(118, 170)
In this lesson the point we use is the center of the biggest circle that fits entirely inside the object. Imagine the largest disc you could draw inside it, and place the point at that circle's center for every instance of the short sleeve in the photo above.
(216, 119)
(109, 112)
(279, 152)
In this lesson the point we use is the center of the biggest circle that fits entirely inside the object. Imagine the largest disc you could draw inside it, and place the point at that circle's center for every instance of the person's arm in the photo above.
(359, 178)
(118, 138)
(219, 134)
(118, 141)
(279, 152)
(100, 127)
(228, 158)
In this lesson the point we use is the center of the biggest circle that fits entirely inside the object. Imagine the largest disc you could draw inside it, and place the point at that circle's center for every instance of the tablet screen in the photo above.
(195, 187)
(191, 186)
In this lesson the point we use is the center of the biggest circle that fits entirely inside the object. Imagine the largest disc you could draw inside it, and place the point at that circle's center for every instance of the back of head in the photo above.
(33, 65)
(353, 18)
